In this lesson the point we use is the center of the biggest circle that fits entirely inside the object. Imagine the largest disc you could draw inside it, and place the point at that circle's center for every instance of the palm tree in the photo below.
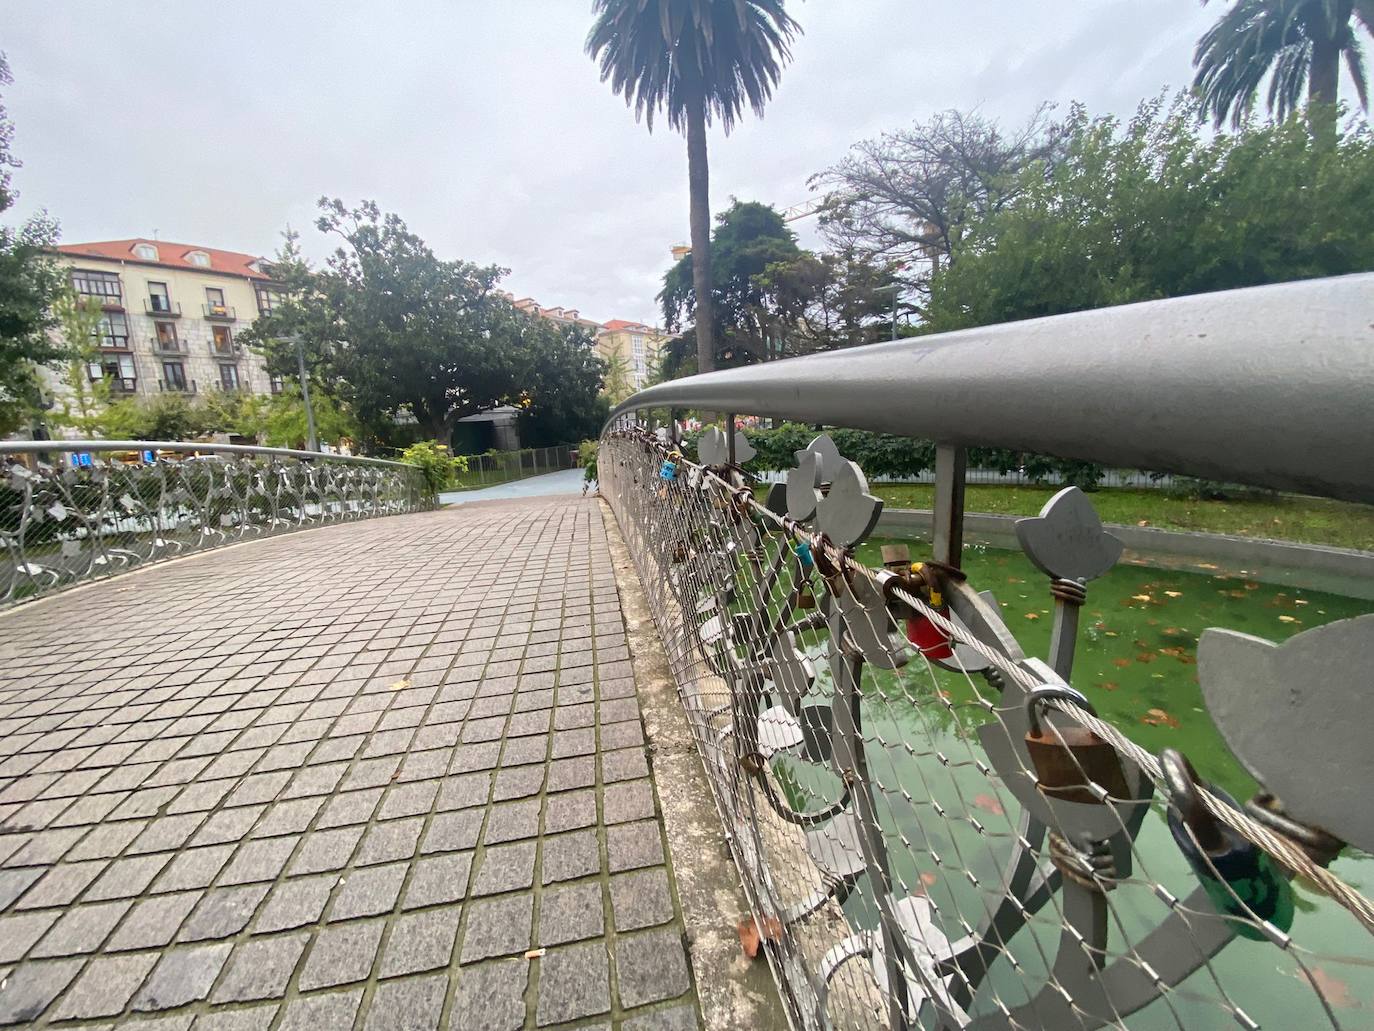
(696, 60)
(1298, 44)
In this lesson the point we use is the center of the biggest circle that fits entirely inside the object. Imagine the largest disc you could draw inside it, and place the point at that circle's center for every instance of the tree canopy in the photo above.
(30, 284)
(1155, 208)
(395, 332)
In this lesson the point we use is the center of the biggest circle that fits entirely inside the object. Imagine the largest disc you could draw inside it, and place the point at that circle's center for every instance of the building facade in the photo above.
(635, 344)
(171, 314)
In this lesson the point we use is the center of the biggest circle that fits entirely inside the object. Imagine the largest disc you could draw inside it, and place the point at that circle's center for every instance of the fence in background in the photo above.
(933, 827)
(72, 511)
(499, 467)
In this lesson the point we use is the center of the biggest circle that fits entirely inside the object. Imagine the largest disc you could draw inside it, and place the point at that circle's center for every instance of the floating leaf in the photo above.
(1287, 619)
(1145, 657)
(1335, 991)
(1121, 663)
(1141, 597)
(929, 879)
(988, 804)
(1174, 594)
(1159, 718)
(1250, 585)
(1109, 685)
(1032, 615)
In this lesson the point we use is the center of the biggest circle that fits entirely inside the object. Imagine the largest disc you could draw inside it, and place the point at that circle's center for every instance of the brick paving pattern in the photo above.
(344, 778)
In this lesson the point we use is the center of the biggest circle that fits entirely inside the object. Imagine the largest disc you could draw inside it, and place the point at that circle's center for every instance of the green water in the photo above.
(1136, 661)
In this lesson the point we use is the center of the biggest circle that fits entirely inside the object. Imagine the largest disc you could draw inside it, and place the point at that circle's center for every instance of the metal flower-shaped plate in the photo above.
(1066, 540)
(1262, 695)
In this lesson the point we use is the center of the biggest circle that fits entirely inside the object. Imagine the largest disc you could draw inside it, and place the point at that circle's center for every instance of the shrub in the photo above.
(586, 455)
(440, 469)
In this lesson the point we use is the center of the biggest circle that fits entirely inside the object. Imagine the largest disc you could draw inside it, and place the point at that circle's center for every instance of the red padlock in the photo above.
(933, 642)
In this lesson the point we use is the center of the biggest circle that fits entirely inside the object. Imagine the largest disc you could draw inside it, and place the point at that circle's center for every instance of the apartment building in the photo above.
(636, 344)
(171, 314)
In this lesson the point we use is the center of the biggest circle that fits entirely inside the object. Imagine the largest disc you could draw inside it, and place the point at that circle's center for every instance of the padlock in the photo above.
(668, 470)
(933, 642)
(805, 598)
(679, 552)
(1241, 880)
(802, 549)
(1067, 759)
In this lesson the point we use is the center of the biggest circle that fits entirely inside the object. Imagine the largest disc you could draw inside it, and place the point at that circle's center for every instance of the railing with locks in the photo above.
(934, 828)
(72, 511)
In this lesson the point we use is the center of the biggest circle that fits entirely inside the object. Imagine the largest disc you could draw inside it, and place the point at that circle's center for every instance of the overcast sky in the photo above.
(484, 125)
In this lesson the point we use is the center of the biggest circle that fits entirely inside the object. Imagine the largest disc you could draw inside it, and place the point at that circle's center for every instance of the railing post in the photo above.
(950, 468)
(730, 437)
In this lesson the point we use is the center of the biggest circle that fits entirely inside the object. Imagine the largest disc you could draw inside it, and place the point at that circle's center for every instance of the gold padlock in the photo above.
(1067, 759)
(806, 599)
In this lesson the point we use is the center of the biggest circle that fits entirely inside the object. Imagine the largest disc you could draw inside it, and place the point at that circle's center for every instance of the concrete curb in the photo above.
(1310, 566)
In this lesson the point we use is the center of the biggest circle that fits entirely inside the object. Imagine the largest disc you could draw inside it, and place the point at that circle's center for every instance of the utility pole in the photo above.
(895, 289)
(312, 441)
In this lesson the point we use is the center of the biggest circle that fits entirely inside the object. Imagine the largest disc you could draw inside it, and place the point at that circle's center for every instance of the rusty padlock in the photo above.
(1068, 758)
(806, 598)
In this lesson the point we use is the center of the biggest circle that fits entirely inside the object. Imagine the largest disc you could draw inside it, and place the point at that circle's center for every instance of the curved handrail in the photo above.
(29, 447)
(1271, 386)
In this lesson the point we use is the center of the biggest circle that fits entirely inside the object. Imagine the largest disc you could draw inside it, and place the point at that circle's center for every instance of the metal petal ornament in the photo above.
(1066, 539)
(848, 513)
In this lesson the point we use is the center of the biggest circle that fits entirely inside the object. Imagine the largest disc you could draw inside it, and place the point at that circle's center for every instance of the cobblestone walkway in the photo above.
(361, 776)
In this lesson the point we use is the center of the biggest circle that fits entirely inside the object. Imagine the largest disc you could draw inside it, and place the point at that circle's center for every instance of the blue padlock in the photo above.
(803, 552)
(668, 470)
(1240, 880)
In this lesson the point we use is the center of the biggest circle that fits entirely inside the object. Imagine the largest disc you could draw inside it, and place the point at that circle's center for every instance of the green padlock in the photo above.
(1240, 879)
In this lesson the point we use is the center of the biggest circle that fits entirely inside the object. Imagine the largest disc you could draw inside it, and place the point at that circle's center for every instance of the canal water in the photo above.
(1136, 661)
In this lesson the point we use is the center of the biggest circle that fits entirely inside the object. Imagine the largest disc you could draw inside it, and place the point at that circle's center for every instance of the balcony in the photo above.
(161, 308)
(226, 352)
(220, 312)
(174, 348)
(123, 384)
(173, 387)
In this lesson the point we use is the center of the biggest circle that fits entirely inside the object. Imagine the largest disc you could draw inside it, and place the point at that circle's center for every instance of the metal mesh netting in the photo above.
(927, 835)
(73, 514)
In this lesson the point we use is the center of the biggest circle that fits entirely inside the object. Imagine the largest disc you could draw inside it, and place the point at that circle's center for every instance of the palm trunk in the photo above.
(699, 188)
(1322, 84)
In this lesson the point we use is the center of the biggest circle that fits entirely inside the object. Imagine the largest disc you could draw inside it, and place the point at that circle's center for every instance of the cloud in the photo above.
(485, 126)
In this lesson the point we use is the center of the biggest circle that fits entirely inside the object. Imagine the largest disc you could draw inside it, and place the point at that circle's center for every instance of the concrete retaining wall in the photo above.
(1313, 567)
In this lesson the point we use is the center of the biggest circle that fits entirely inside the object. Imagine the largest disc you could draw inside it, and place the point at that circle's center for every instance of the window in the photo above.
(222, 341)
(158, 298)
(637, 345)
(119, 369)
(267, 301)
(275, 384)
(113, 330)
(146, 251)
(229, 377)
(199, 258)
(167, 336)
(103, 286)
(173, 376)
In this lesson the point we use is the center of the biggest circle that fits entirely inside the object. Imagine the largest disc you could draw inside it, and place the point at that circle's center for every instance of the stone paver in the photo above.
(346, 775)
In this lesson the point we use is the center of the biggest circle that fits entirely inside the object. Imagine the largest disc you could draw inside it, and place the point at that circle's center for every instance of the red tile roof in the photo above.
(616, 324)
(172, 255)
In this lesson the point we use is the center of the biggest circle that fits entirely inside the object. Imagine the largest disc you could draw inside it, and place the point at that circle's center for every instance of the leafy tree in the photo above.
(749, 238)
(1297, 44)
(908, 197)
(696, 60)
(82, 404)
(1155, 209)
(617, 386)
(30, 283)
(562, 401)
(284, 422)
(160, 417)
(234, 412)
(389, 328)
(828, 301)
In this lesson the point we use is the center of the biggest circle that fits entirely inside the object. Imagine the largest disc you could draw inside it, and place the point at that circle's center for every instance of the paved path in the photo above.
(566, 481)
(349, 777)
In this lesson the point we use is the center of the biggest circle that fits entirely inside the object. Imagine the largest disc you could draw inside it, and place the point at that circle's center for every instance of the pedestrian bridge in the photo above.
(403, 769)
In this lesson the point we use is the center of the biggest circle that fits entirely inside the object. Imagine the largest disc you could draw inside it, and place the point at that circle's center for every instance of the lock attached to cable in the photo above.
(1241, 880)
(1069, 759)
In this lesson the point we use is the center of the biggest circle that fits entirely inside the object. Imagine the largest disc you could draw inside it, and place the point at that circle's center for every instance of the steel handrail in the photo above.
(30, 447)
(1271, 386)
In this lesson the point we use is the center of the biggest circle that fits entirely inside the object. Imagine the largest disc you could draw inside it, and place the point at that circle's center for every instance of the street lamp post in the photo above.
(895, 289)
(312, 441)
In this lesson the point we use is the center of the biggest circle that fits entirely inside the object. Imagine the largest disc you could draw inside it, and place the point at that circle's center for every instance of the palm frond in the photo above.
(667, 54)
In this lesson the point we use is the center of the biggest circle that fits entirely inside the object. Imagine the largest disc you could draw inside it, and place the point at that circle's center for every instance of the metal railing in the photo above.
(497, 467)
(934, 829)
(73, 511)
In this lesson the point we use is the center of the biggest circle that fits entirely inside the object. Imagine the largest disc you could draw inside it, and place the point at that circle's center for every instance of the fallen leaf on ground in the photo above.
(989, 804)
(401, 685)
(749, 937)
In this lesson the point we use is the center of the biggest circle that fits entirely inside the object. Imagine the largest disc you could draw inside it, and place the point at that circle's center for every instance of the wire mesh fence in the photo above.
(497, 467)
(77, 511)
(933, 828)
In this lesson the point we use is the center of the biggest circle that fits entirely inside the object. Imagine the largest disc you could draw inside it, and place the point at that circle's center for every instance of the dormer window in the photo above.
(146, 251)
(199, 258)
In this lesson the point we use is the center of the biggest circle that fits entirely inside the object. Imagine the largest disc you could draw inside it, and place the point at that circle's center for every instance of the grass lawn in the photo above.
(1285, 517)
